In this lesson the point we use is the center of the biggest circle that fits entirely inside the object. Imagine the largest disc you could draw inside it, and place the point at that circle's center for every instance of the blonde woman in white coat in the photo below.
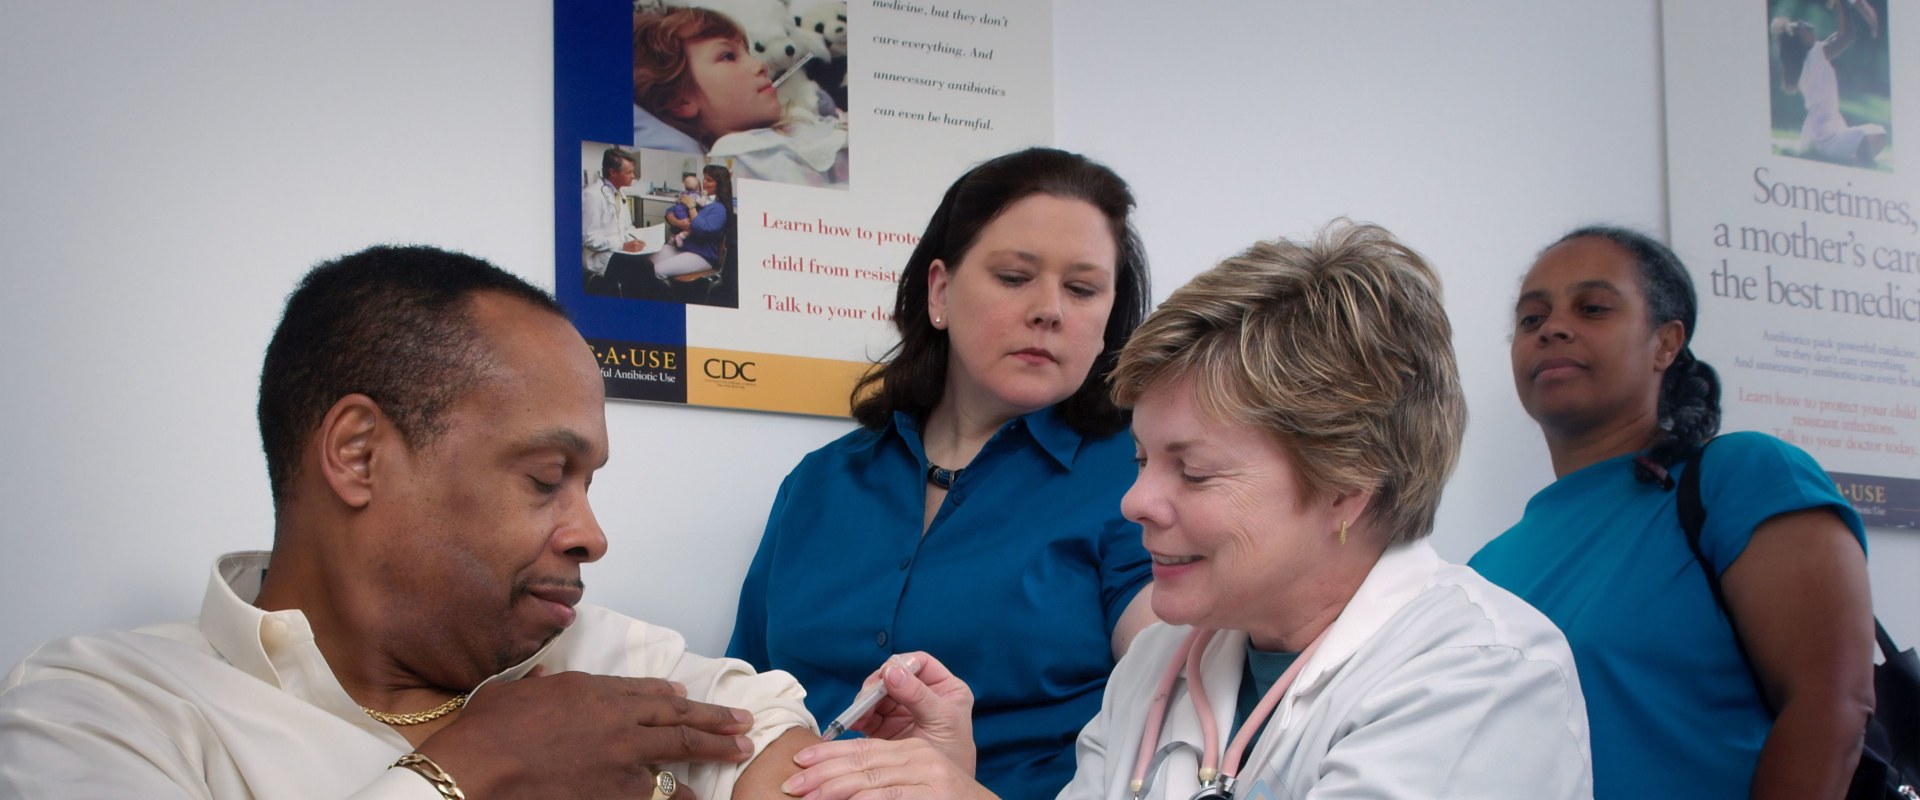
(1297, 411)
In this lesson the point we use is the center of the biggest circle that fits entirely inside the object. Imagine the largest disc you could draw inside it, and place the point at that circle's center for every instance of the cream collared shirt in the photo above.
(240, 703)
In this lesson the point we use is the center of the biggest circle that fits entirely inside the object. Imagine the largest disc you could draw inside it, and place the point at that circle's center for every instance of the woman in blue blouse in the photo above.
(1601, 361)
(975, 514)
(701, 248)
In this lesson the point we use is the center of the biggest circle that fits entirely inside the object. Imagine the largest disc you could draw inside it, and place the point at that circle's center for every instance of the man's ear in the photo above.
(346, 441)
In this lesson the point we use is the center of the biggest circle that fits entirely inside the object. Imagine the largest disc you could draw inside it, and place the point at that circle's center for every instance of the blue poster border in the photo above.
(592, 101)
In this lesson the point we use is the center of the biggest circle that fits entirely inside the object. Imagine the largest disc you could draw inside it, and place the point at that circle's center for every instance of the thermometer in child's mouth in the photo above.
(791, 70)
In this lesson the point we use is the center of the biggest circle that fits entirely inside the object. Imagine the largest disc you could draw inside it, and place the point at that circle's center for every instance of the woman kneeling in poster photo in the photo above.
(698, 87)
(1297, 410)
(701, 248)
(1806, 68)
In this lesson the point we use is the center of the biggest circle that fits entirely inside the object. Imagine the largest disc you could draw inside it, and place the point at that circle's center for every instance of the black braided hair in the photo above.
(1689, 389)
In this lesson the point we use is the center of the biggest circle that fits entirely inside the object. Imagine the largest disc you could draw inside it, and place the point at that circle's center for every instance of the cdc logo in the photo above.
(721, 369)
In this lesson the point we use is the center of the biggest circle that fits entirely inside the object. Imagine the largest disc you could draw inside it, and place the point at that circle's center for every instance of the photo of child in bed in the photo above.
(698, 87)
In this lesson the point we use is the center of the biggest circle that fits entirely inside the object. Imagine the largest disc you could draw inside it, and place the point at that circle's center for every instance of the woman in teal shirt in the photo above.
(975, 514)
(1601, 361)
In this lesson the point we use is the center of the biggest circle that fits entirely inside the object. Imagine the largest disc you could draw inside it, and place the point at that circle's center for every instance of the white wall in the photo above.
(167, 173)
(1476, 137)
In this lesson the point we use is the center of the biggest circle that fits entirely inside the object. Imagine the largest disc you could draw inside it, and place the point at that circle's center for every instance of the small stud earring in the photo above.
(936, 321)
(1343, 533)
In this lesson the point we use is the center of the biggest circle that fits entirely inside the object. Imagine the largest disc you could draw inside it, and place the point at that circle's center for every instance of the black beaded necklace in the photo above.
(943, 477)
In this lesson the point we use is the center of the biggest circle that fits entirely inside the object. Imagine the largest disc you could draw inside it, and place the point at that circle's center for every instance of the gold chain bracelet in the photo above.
(442, 782)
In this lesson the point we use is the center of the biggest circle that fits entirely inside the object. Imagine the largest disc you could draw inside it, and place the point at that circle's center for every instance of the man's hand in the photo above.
(579, 735)
(633, 246)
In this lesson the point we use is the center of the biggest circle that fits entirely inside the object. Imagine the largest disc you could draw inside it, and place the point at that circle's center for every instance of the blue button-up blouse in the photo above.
(1016, 586)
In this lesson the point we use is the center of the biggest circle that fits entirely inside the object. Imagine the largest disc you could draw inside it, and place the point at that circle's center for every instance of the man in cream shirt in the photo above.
(431, 425)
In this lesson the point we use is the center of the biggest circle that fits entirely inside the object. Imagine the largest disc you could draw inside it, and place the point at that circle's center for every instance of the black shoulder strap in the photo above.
(1693, 518)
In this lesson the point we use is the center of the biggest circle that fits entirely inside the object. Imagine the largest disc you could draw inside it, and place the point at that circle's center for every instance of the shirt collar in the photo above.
(1047, 428)
(253, 639)
(1050, 430)
(229, 619)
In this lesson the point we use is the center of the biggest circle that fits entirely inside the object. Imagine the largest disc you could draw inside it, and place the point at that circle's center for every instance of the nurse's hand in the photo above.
(898, 770)
(934, 706)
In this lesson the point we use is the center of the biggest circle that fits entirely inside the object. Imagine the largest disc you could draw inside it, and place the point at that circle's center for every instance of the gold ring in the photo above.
(664, 785)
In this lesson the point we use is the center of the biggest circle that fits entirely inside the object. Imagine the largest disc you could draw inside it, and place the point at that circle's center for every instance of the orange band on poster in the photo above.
(767, 382)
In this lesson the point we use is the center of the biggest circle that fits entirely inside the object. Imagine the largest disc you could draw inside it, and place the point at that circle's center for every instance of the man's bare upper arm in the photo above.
(772, 766)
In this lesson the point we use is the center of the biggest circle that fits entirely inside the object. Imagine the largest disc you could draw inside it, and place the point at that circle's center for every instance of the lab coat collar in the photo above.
(1402, 572)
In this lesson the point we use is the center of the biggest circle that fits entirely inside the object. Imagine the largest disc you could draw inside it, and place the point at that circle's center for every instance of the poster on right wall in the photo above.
(1789, 201)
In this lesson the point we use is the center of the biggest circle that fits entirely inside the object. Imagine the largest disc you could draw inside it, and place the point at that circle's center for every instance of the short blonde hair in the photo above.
(1339, 347)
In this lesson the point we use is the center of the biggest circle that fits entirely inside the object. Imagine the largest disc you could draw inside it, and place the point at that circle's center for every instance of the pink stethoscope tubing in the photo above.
(1187, 658)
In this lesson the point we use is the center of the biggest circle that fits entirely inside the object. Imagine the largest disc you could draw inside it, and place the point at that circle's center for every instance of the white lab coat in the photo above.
(603, 225)
(1432, 683)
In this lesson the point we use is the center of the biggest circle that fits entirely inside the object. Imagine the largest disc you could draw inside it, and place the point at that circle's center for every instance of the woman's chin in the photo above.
(1173, 611)
(1027, 396)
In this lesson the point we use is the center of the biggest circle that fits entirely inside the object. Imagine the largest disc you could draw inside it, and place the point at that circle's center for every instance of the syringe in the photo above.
(866, 700)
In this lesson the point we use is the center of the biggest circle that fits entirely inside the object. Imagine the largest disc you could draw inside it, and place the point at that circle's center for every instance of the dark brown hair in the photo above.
(722, 184)
(392, 323)
(1790, 53)
(912, 376)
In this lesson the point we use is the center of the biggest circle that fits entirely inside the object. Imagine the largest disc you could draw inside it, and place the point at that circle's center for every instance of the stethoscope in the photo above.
(1216, 781)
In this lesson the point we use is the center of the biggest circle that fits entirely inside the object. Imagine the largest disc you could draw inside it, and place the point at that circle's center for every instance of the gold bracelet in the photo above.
(442, 782)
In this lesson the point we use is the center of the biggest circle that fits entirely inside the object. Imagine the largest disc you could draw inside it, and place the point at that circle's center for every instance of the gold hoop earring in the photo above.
(1343, 533)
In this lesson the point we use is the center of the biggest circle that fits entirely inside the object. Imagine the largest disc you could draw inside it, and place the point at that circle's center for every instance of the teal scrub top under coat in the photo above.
(1016, 587)
(1672, 709)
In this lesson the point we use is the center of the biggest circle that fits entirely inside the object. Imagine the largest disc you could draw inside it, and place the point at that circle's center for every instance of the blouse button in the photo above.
(880, 639)
(275, 632)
